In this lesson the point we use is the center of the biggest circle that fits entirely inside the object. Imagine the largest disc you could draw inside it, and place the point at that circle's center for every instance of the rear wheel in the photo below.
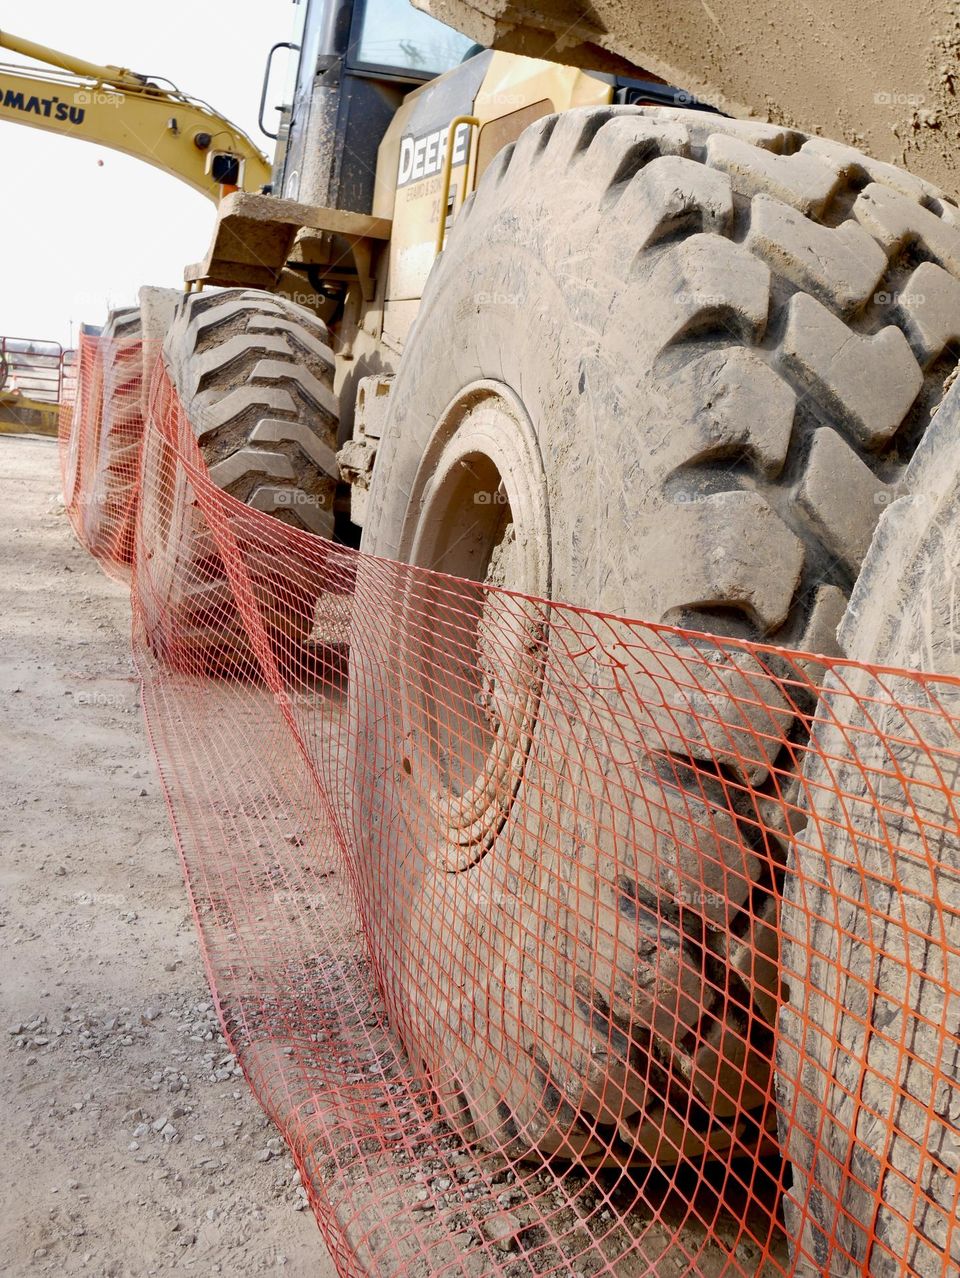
(254, 376)
(667, 366)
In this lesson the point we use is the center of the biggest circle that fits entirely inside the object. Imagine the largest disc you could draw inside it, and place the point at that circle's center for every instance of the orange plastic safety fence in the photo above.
(554, 942)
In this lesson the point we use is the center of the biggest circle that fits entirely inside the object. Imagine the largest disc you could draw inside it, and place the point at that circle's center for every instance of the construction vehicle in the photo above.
(691, 355)
(118, 108)
(128, 112)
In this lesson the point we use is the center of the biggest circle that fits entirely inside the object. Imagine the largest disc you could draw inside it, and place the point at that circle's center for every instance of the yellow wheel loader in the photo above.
(692, 348)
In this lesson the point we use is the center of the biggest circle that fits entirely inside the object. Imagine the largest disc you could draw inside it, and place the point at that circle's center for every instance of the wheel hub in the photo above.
(478, 510)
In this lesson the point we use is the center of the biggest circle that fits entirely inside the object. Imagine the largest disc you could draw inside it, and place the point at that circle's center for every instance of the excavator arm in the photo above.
(125, 111)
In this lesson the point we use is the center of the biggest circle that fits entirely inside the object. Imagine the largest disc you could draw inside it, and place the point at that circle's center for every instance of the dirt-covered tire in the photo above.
(111, 486)
(691, 356)
(254, 375)
(869, 1051)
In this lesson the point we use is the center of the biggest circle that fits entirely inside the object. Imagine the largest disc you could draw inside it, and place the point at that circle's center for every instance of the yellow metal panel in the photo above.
(22, 416)
(513, 82)
(410, 183)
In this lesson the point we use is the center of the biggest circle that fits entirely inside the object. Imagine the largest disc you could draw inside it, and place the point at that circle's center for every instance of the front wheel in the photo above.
(658, 371)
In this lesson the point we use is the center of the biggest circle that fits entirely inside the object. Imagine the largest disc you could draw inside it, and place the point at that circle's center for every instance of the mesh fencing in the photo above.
(101, 431)
(553, 942)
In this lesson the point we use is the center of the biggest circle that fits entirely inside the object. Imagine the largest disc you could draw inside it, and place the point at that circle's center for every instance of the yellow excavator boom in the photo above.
(122, 110)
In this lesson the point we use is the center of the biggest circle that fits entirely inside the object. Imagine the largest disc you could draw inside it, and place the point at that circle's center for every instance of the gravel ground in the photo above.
(130, 1143)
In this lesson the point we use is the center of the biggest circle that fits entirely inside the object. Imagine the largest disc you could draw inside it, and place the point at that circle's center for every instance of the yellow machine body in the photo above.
(382, 259)
(411, 188)
(21, 415)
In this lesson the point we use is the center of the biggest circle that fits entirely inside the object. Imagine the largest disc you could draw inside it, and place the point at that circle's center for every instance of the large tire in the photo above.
(111, 486)
(869, 1053)
(254, 375)
(690, 354)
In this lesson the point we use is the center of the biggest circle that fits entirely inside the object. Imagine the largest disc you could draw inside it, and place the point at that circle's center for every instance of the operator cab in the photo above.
(358, 59)
(357, 62)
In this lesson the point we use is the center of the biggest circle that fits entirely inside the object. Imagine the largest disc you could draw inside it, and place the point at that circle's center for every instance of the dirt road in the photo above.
(130, 1146)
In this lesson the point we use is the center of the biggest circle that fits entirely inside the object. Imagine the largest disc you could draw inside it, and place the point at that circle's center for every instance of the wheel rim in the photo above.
(478, 511)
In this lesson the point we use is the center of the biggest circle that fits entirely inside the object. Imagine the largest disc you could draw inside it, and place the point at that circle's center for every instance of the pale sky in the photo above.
(79, 238)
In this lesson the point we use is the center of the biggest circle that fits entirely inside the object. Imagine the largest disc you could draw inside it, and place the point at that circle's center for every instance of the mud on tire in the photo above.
(726, 340)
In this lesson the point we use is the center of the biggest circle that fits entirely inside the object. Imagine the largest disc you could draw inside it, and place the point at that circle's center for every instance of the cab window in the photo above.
(397, 37)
